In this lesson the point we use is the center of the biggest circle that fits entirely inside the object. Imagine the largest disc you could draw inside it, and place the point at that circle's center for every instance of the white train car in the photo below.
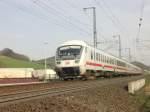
(78, 59)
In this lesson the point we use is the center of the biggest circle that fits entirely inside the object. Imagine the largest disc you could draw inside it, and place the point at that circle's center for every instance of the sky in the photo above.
(25, 25)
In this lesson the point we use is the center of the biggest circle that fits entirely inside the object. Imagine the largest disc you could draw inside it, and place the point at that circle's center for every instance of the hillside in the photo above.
(7, 62)
(10, 53)
(50, 62)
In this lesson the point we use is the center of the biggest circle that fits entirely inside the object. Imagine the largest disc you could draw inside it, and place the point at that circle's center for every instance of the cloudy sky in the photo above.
(25, 25)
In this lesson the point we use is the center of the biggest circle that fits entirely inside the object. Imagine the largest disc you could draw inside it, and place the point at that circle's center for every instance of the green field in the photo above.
(7, 62)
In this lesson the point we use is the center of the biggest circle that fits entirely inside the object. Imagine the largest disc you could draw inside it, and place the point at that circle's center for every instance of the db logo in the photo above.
(67, 62)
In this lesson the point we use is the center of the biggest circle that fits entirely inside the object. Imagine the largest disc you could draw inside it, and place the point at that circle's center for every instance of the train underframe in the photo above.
(67, 73)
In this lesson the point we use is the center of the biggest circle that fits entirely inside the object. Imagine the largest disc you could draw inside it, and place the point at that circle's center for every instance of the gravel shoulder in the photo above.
(112, 98)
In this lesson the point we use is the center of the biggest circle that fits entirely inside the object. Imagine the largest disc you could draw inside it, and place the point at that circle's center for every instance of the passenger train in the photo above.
(77, 59)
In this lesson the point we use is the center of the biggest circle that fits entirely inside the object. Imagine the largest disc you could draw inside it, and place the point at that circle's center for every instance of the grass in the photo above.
(143, 99)
(6, 62)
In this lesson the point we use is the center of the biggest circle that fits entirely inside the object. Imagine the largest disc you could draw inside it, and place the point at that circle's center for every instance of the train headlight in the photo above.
(58, 62)
(77, 61)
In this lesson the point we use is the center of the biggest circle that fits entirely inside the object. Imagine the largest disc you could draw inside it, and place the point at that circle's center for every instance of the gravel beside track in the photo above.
(99, 96)
(20, 88)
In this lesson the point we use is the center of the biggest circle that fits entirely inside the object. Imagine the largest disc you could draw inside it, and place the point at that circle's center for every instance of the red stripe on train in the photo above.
(93, 64)
(107, 66)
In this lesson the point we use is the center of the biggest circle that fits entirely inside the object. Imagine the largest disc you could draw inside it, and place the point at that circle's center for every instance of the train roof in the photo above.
(83, 43)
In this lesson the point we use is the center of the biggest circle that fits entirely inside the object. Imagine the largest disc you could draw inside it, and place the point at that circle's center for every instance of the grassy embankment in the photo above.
(7, 62)
(142, 98)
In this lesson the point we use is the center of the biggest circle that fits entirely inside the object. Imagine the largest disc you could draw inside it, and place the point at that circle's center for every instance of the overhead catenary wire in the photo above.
(57, 15)
(67, 15)
(77, 8)
(46, 19)
(108, 15)
(114, 17)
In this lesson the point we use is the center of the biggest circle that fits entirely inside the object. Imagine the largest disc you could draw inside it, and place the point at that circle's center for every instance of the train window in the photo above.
(96, 56)
(120, 64)
(91, 55)
(103, 58)
(106, 59)
(113, 61)
(85, 49)
(117, 62)
(123, 64)
(100, 57)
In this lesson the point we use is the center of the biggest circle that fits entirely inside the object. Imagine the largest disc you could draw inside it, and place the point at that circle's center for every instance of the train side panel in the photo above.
(91, 61)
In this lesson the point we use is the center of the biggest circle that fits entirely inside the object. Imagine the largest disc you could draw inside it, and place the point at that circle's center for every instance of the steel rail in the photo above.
(53, 91)
(7, 98)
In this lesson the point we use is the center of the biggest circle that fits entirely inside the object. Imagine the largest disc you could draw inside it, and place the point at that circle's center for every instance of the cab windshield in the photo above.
(69, 52)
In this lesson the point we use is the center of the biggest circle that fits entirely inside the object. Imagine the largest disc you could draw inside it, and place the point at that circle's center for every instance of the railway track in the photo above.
(9, 98)
(48, 91)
